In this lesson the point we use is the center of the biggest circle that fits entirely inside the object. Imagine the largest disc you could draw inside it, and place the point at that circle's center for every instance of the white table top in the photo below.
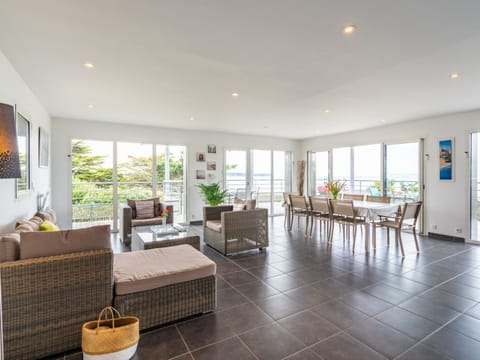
(371, 210)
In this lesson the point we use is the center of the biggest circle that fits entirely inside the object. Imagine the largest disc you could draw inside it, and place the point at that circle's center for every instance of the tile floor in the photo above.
(301, 299)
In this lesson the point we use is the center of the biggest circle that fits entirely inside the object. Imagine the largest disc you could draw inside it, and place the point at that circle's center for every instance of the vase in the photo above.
(164, 223)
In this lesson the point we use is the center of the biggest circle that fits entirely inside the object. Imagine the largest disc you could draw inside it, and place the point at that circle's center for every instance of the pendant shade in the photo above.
(9, 160)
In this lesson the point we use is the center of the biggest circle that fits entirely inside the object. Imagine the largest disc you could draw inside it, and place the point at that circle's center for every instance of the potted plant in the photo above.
(212, 193)
(334, 187)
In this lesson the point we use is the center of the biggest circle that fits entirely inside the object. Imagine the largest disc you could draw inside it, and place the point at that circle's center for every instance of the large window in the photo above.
(260, 174)
(101, 180)
(362, 168)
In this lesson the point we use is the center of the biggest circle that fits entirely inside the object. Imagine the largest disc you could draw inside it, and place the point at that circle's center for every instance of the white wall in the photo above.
(64, 130)
(446, 203)
(13, 90)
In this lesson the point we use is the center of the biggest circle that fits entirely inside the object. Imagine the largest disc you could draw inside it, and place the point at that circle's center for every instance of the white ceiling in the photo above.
(162, 62)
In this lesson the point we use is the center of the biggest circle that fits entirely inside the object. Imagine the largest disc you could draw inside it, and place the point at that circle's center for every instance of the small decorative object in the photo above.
(211, 165)
(9, 158)
(211, 149)
(164, 213)
(446, 159)
(200, 156)
(164, 230)
(43, 147)
(200, 174)
(212, 193)
(114, 338)
(334, 187)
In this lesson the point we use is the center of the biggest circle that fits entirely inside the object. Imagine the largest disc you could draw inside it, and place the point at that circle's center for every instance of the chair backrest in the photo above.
(319, 204)
(298, 202)
(358, 197)
(343, 207)
(286, 197)
(380, 199)
(411, 211)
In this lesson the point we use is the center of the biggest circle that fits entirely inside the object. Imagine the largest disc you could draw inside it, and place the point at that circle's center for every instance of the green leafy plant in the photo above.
(212, 193)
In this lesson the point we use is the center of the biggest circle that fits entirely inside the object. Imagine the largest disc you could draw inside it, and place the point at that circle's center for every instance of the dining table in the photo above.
(372, 211)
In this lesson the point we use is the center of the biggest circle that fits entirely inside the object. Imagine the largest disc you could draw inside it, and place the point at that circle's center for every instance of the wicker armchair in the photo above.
(231, 231)
(128, 219)
(46, 300)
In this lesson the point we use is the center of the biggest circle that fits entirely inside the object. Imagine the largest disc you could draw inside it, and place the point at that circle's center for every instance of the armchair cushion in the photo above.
(145, 209)
(215, 225)
(157, 220)
(131, 203)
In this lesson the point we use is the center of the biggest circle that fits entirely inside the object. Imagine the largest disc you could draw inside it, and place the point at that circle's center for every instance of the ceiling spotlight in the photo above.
(327, 111)
(89, 65)
(235, 94)
(383, 121)
(192, 118)
(349, 29)
(91, 106)
(454, 76)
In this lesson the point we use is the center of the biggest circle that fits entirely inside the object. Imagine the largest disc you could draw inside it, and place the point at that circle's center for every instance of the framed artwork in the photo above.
(211, 149)
(211, 165)
(43, 147)
(200, 156)
(23, 184)
(200, 174)
(446, 159)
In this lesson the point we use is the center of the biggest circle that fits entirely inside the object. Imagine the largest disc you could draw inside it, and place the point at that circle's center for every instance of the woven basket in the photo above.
(113, 338)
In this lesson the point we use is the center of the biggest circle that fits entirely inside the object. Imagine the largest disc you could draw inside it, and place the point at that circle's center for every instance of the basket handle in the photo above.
(108, 310)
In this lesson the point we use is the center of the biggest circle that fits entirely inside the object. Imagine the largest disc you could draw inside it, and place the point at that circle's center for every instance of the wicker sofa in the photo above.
(231, 231)
(47, 297)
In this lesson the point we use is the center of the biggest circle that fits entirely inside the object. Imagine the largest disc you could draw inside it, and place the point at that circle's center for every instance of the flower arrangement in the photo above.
(334, 187)
(165, 212)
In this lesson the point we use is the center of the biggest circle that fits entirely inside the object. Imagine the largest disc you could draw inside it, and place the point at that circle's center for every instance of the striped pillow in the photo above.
(144, 209)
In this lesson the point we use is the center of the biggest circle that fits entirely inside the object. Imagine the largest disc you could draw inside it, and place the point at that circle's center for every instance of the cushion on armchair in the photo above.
(145, 209)
(215, 225)
(132, 204)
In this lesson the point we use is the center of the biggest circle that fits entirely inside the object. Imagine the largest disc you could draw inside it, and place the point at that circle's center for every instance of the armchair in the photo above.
(129, 219)
(231, 231)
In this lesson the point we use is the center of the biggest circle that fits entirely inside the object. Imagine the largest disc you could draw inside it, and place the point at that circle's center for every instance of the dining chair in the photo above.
(406, 219)
(287, 205)
(300, 208)
(344, 213)
(380, 199)
(320, 210)
(357, 197)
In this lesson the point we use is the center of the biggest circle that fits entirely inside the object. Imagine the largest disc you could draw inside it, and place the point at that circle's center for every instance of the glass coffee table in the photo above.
(143, 238)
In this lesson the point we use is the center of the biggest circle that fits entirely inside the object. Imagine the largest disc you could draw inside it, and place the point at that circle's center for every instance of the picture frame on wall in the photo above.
(211, 148)
(43, 147)
(446, 159)
(211, 165)
(200, 156)
(200, 174)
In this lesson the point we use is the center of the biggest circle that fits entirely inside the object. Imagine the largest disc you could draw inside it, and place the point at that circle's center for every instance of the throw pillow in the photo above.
(250, 204)
(48, 226)
(144, 209)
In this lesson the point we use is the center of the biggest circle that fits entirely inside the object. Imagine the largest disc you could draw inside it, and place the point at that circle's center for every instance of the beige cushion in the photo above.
(145, 209)
(238, 207)
(10, 247)
(48, 243)
(144, 222)
(215, 225)
(150, 269)
(32, 224)
(44, 215)
(23, 228)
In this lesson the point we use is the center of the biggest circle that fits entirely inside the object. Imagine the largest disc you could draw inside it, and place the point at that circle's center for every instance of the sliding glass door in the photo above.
(474, 186)
(259, 174)
(402, 180)
(106, 173)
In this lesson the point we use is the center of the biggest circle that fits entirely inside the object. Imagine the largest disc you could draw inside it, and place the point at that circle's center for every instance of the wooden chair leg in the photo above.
(388, 236)
(399, 237)
(415, 238)
(354, 235)
(374, 235)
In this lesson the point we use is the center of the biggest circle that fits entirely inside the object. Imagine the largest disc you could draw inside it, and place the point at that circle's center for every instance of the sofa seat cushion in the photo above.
(215, 225)
(35, 244)
(144, 222)
(150, 269)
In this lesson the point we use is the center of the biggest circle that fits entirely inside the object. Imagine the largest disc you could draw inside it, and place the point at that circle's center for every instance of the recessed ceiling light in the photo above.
(192, 118)
(454, 75)
(235, 94)
(383, 121)
(91, 106)
(327, 110)
(89, 65)
(349, 29)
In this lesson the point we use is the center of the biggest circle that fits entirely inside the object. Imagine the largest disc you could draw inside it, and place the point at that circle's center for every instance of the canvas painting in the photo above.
(212, 149)
(211, 165)
(200, 174)
(446, 164)
(200, 156)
